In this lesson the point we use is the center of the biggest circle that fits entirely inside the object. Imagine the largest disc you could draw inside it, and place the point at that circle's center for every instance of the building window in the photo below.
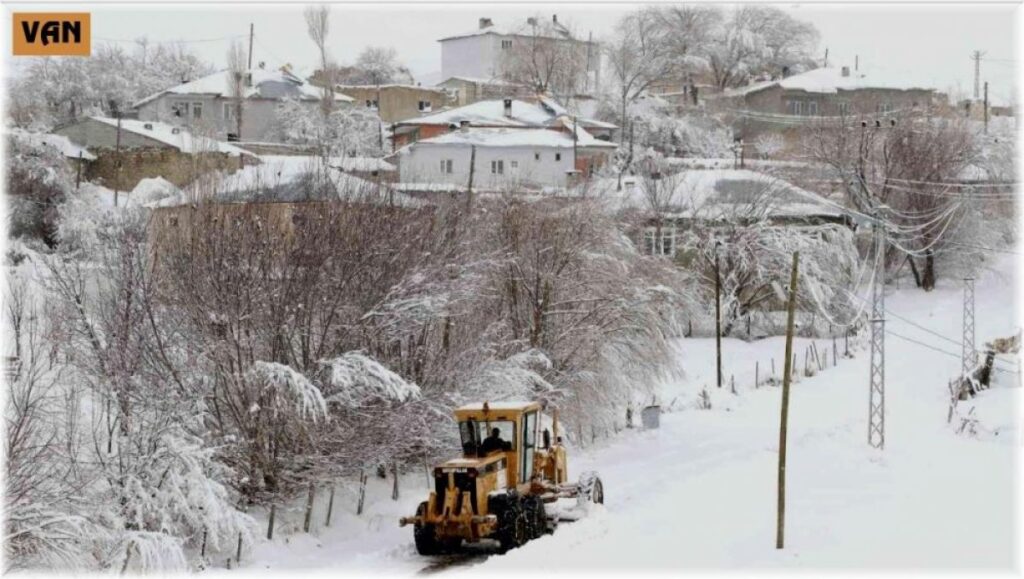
(665, 245)
(558, 156)
(795, 108)
(371, 104)
(425, 106)
(446, 166)
(197, 110)
(885, 108)
(812, 108)
(506, 44)
(536, 156)
(179, 109)
(844, 108)
(229, 111)
(497, 167)
(513, 164)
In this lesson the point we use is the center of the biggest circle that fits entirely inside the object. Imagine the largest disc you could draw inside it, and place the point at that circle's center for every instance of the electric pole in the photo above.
(117, 145)
(718, 317)
(968, 355)
(976, 57)
(786, 377)
(986, 107)
(250, 46)
(876, 402)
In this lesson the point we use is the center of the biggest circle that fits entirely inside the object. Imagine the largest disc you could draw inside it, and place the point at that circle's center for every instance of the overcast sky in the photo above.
(925, 44)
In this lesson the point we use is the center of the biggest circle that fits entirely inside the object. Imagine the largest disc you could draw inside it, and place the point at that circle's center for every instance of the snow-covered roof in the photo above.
(177, 137)
(387, 86)
(515, 137)
(502, 405)
(830, 80)
(361, 164)
(492, 113)
(544, 28)
(266, 84)
(717, 194)
(476, 80)
(58, 142)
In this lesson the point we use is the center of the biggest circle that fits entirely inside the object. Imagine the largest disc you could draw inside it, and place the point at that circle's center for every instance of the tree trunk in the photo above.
(928, 276)
(913, 270)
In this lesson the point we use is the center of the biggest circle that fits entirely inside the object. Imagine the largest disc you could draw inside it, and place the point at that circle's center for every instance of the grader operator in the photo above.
(510, 469)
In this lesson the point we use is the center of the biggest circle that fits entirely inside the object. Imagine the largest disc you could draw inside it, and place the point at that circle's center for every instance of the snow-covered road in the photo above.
(699, 492)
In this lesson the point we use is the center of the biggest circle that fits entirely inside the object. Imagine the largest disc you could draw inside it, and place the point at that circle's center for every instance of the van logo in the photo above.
(51, 34)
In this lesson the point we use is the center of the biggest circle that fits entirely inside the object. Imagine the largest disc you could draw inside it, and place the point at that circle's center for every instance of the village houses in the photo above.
(213, 103)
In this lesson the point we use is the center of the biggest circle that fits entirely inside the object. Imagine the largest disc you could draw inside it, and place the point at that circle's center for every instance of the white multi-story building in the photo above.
(483, 54)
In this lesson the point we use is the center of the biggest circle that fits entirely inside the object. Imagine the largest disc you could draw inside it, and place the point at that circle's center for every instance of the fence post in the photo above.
(757, 369)
(394, 474)
(238, 552)
(362, 491)
(202, 553)
(309, 508)
(732, 383)
(270, 526)
(773, 367)
(330, 508)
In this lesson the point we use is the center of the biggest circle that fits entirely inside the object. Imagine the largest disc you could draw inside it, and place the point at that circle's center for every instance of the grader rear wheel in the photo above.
(536, 517)
(425, 535)
(513, 525)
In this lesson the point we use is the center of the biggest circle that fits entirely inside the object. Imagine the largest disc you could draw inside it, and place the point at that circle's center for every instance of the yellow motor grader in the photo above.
(510, 468)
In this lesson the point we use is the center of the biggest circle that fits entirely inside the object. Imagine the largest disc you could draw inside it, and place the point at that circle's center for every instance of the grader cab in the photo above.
(512, 465)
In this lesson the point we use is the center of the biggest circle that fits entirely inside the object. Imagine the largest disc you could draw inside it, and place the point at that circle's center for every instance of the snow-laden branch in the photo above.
(355, 379)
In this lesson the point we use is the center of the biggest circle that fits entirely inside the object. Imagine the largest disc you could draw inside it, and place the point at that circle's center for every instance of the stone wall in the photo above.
(137, 164)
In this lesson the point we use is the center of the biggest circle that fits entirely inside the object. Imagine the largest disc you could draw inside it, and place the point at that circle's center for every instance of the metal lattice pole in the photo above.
(969, 355)
(876, 408)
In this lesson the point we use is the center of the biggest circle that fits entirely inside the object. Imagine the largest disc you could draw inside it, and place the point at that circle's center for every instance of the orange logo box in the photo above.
(51, 34)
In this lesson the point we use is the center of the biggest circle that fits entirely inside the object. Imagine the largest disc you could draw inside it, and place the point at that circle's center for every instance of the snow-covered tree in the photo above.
(38, 180)
(346, 131)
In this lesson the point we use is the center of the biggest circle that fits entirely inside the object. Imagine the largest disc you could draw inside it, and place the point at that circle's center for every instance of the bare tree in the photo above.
(317, 26)
(636, 58)
(548, 59)
(904, 165)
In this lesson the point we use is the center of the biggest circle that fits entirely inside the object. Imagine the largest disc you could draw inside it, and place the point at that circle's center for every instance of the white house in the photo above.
(208, 104)
(483, 53)
(520, 158)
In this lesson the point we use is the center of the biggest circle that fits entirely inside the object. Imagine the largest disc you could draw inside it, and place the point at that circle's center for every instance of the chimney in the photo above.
(846, 71)
(531, 21)
(785, 72)
(508, 108)
(464, 126)
(554, 18)
(485, 23)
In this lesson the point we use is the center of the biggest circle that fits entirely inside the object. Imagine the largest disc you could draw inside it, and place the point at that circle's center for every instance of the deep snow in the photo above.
(699, 493)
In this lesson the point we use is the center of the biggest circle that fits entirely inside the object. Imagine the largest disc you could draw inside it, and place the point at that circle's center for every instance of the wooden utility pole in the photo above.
(986, 107)
(576, 138)
(251, 29)
(786, 378)
(472, 169)
(117, 176)
(718, 318)
(78, 171)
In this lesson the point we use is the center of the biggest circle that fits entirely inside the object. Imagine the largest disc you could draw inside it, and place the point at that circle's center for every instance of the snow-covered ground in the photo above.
(699, 493)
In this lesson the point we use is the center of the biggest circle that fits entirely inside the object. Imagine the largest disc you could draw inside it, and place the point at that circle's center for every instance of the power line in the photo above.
(144, 40)
(983, 248)
(940, 350)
